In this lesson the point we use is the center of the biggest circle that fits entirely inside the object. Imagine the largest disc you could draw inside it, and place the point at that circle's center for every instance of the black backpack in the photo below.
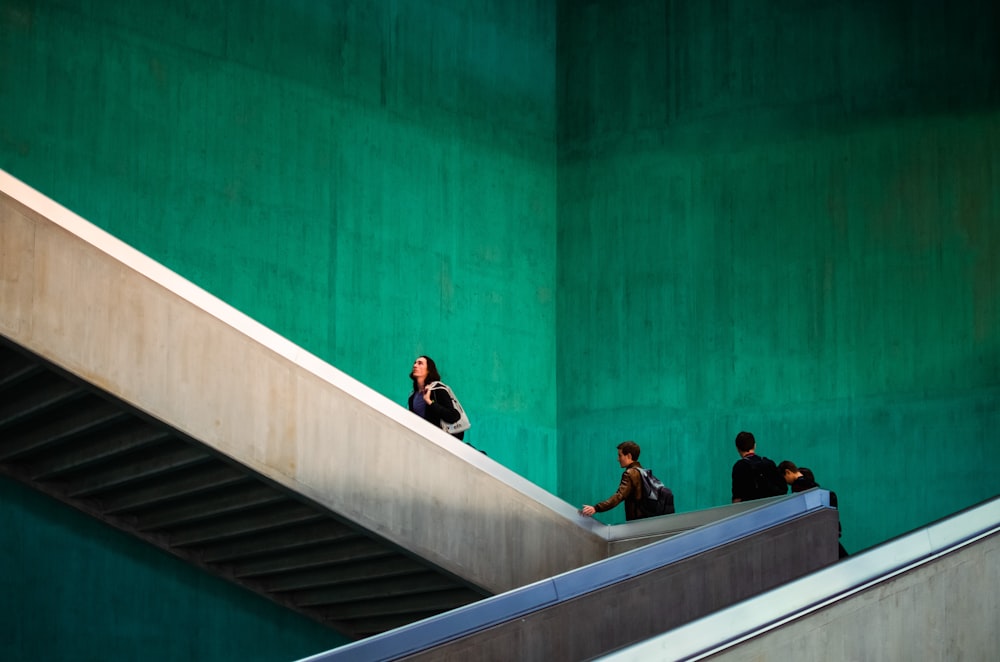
(767, 481)
(656, 498)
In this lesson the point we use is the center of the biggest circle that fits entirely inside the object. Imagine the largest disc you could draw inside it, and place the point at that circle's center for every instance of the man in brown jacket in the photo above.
(630, 487)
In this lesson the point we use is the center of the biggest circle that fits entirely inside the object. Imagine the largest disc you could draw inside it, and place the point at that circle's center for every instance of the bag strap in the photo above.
(641, 471)
(440, 385)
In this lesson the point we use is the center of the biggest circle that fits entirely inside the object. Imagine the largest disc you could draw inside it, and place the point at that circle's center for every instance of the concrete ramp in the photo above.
(138, 398)
(610, 604)
(933, 594)
(133, 395)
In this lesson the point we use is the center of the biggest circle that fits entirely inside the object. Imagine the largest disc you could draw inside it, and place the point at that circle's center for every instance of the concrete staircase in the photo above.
(85, 447)
(135, 396)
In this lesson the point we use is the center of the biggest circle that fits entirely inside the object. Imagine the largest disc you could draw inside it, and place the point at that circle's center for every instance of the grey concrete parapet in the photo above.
(113, 317)
(931, 594)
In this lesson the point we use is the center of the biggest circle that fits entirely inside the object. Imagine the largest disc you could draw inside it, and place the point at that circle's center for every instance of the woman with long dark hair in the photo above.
(430, 398)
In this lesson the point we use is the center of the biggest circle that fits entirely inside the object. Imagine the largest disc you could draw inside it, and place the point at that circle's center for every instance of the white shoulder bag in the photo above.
(462, 424)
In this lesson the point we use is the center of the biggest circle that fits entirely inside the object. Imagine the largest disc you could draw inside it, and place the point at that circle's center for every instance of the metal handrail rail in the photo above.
(733, 625)
(518, 603)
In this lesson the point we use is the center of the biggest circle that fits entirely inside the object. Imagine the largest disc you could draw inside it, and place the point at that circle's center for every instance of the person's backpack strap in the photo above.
(642, 483)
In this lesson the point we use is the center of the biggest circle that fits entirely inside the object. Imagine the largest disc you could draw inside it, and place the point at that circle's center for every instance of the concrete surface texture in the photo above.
(930, 594)
(718, 219)
(659, 221)
(107, 314)
(947, 610)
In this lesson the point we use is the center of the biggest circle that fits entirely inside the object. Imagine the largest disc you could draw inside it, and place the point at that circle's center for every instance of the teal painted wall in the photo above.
(783, 218)
(372, 180)
(666, 221)
(57, 567)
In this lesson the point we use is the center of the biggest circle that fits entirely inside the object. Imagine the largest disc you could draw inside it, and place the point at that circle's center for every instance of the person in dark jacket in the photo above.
(630, 487)
(802, 479)
(754, 476)
(433, 405)
(797, 478)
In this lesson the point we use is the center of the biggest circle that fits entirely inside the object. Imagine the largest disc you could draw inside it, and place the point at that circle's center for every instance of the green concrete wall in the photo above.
(782, 218)
(664, 221)
(373, 180)
(57, 568)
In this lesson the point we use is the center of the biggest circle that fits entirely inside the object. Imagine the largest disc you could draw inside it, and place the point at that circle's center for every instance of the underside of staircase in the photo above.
(72, 441)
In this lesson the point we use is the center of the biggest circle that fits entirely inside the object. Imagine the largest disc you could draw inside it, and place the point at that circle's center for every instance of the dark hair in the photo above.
(787, 465)
(432, 372)
(745, 442)
(808, 473)
(630, 448)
